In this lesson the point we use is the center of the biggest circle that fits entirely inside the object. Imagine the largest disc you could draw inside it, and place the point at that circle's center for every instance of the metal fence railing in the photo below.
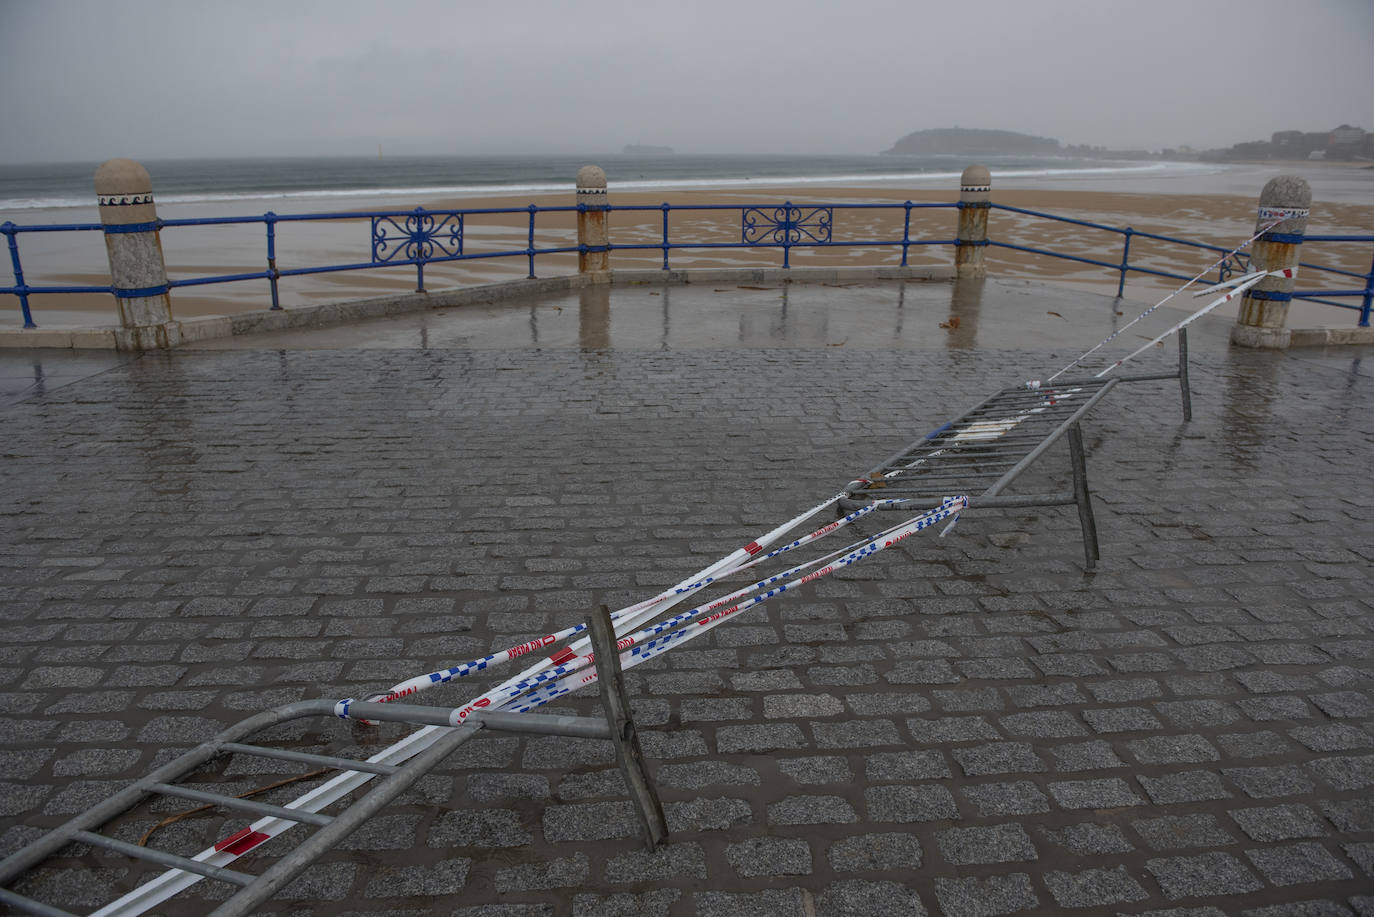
(1227, 265)
(419, 238)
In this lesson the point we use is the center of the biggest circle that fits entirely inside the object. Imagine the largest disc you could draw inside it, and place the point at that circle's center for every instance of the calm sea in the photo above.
(253, 185)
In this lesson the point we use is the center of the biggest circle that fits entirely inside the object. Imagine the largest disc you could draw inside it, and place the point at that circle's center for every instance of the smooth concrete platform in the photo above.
(961, 726)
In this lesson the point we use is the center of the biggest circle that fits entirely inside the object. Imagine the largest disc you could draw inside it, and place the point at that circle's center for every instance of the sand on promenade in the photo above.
(1218, 219)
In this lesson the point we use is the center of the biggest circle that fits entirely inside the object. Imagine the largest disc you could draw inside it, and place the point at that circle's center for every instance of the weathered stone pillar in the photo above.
(592, 234)
(1264, 307)
(137, 272)
(975, 197)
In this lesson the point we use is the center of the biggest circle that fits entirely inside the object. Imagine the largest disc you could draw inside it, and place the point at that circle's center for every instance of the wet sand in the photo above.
(1165, 206)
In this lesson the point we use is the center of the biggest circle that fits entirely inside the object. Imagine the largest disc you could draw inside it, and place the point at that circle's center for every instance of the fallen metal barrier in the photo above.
(396, 778)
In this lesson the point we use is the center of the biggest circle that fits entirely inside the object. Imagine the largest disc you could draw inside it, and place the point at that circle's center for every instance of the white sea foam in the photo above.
(945, 179)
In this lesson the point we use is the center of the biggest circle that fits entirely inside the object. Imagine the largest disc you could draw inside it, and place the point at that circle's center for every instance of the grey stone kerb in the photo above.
(138, 274)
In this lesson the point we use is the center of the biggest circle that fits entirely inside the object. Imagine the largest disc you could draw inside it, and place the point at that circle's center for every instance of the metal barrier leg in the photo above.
(1183, 374)
(623, 733)
(1083, 498)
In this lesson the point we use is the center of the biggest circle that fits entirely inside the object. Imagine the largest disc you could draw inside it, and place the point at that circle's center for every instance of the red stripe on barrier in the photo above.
(562, 655)
(753, 548)
(242, 842)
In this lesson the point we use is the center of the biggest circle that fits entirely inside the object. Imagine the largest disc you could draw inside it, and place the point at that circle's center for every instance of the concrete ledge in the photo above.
(206, 328)
(1324, 337)
(380, 307)
(1284, 338)
(782, 275)
(1260, 338)
(65, 338)
(325, 314)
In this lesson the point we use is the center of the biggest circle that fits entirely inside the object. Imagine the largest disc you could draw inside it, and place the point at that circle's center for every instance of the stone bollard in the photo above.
(1264, 307)
(592, 235)
(975, 193)
(137, 272)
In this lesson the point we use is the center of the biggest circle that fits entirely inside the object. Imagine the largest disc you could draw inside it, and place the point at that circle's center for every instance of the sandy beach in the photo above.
(1181, 207)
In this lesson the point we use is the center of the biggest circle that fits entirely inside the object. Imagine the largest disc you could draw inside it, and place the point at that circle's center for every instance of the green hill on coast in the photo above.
(961, 140)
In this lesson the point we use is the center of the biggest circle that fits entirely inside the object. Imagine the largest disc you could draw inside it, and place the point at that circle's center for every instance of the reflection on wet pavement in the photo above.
(993, 314)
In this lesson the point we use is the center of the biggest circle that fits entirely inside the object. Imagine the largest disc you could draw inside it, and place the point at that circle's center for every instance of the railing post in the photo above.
(1368, 296)
(666, 208)
(419, 241)
(975, 198)
(274, 275)
(10, 234)
(906, 232)
(788, 222)
(529, 251)
(138, 275)
(1125, 263)
(593, 252)
(1264, 307)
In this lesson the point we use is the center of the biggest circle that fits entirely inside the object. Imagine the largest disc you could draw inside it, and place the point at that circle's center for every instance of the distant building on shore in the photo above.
(1341, 143)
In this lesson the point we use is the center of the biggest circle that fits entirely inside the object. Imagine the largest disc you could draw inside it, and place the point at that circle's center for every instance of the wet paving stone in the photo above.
(989, 897)
(995, 844)
(1202, 875)
(961, 726)
(1293, 864)
(1094, 887)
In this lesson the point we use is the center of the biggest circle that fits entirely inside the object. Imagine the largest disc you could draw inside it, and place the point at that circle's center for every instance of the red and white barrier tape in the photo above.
(1196, 277)
(546, 672)
(1241, 284)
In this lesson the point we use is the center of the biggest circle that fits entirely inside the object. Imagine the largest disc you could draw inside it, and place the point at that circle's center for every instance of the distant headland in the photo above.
(960, 140)
(965, 141)
(1340, 143)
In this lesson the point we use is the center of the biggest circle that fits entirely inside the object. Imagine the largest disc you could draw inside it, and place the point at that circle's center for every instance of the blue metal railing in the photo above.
(785, 227)
(420, 237)
(1239, 262)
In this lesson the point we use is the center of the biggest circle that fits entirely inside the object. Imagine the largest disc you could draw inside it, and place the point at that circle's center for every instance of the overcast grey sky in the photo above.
(93, 79)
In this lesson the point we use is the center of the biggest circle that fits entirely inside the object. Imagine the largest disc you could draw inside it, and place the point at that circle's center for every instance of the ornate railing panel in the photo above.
(426, 235)
(786, 225)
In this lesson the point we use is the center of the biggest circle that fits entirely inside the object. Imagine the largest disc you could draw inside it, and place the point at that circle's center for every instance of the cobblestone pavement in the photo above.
(961, 727)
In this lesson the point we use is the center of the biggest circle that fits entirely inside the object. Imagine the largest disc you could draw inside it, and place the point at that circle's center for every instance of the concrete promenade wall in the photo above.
(327, 314)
